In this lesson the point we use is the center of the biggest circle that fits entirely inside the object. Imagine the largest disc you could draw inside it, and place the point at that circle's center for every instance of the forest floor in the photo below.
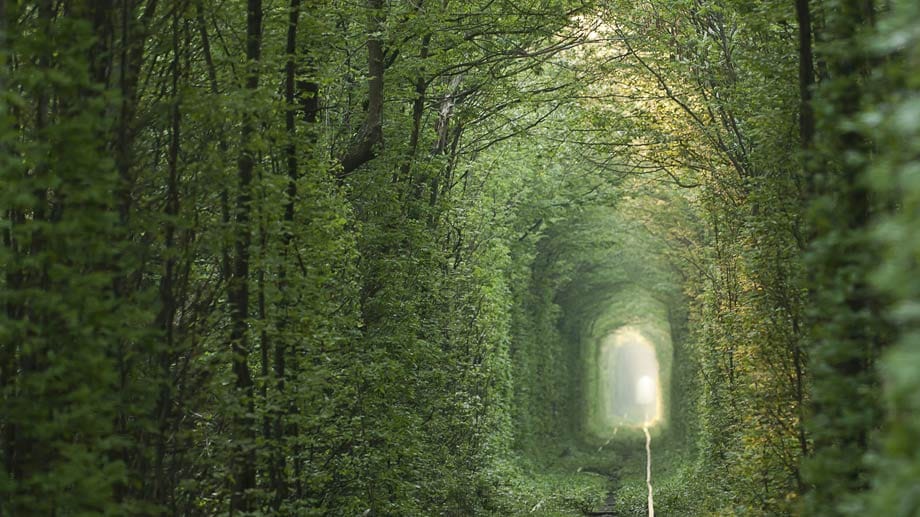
(622, 463)
(671, 478)
(596, 469)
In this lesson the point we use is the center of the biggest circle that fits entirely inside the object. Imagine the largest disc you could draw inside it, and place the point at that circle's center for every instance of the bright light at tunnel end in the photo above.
(646, 395)
(630, 380)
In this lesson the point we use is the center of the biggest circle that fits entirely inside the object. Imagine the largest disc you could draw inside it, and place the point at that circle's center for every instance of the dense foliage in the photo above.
(310, 258)
(256, 256)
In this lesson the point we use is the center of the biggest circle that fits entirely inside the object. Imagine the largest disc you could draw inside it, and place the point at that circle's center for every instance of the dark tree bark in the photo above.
(166, 319)
(806, 137)
(225, 258)
(418, 109)
(370, 135)
(806, 75)
(277, 480)
(304, 91)
(131, 57)
(238, 289)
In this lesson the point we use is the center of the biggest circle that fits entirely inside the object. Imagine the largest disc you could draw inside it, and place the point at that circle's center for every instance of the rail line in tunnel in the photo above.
(630, 391)
(648, 471)
(627, 455)
(632, 396)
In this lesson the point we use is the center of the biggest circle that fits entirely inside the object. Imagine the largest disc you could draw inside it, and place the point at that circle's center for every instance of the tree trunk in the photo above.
(806, 75)
(238, 289)
(371, 133)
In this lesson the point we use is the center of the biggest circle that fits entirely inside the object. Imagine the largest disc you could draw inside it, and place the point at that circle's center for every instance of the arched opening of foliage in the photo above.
(627, 360)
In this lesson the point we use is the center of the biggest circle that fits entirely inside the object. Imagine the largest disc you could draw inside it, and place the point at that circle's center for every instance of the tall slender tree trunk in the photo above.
(279, 484)
(13, 274)
(166, 319)
(806, 138)
(806, 75)
(238, 290)
(806, 85)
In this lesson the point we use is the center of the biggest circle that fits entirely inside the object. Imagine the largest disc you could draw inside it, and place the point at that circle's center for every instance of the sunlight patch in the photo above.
(630, 384)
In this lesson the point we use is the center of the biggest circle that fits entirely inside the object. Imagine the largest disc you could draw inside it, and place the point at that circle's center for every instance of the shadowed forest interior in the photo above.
(461, 258)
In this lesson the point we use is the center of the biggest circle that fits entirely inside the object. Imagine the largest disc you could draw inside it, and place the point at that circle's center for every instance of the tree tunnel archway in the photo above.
(616, 302)
(628, 356)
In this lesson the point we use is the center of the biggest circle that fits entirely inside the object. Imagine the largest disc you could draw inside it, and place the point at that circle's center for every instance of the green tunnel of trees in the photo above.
(317, 257)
